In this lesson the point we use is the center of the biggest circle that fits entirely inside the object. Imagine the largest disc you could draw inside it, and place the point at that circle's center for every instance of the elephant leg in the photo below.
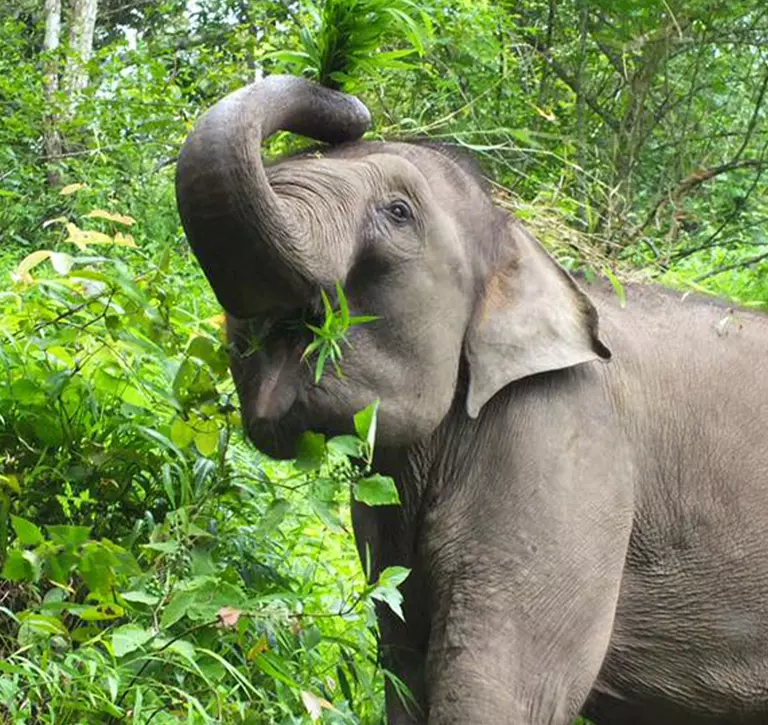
(524, 602)
(493, 662)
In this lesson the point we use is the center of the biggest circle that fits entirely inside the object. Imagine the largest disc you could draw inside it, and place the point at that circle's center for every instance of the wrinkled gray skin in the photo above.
(587, 530)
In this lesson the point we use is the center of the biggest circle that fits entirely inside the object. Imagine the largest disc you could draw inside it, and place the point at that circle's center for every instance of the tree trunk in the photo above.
(581, 133)
(81, 29)
(637, 119)
(545, 83)
(51, 136)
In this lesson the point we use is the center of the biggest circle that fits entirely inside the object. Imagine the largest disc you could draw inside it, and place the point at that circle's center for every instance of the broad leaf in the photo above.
(27, 533)
(311, 451)
(376, 490)
(365, 423)
(129, 638)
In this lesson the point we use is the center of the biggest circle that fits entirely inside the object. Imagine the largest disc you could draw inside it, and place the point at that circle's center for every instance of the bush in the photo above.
(161, 569)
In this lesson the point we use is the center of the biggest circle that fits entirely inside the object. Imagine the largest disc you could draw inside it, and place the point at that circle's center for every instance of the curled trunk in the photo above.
(254, 251)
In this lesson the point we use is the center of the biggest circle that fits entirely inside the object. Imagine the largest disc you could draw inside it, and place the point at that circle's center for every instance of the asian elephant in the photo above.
(584, 485)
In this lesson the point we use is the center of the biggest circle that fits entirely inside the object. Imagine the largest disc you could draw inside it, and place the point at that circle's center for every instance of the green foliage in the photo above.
(329, 336)
(155, 567)
(173, 573)
(346, 36)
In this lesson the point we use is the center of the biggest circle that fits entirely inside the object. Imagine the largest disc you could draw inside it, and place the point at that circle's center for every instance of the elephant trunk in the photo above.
(255, 253)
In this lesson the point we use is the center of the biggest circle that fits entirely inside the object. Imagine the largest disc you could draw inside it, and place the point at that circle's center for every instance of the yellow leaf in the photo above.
(30, 262)
(548, 115)
(60, 355)
(206, 437)
(71, 189)
(57, 220)
(215, 321)
(315, 705)
(124, 240)
(111, 216)
(82, 238)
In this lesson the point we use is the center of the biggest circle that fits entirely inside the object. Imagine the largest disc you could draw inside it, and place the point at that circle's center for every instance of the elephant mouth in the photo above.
(273, 377)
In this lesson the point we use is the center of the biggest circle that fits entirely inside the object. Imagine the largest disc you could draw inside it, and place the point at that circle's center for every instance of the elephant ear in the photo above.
(530, 318)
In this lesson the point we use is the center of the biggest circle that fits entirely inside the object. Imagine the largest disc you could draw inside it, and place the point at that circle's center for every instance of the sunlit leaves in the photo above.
(343, 40)
(71, 189)
(315, 705)
(376, 490)
(365, 424)
(128, 638)
(387, 588)
(82, 238)
(111, 216)
(328, 337)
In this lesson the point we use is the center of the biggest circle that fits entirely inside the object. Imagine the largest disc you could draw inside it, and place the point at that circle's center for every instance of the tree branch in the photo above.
(695, 179)
(736, 265)
(753, 119)
(708, 243)
(572, 83)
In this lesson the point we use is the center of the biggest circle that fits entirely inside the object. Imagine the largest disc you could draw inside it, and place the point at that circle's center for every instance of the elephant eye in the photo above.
(399, 211)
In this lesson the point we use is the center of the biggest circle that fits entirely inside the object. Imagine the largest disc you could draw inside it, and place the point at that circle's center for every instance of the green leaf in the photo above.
(328, 309)
(365, 424)
(387, 591)
(618, 288)
(327, 513)
(18, 567)
(343, 307)
(348, 446)
(270, 664)
(134, 396)
(180, 647)
(362, 319)
(27, 533)
(310, 451)
(272, 517)
(393, 576)
(206, 436)
(212, 354)
(97, 566)
(376, 490)
(68, 536)
(182, 434)
(164, 547)
(129, 638)
(100, 613)
(35, 625)
(177, 608)
(140, 597)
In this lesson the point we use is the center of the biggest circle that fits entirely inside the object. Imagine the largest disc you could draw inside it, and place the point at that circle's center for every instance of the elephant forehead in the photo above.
(348, 180)
(342, 174)
(442, 167)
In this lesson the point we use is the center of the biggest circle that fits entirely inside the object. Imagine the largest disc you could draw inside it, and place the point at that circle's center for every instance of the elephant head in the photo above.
(466, 300)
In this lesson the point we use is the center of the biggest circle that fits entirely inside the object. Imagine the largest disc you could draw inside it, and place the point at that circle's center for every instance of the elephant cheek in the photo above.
(272, 391)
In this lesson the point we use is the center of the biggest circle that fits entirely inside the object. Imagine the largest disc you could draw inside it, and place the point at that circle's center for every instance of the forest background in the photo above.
(155, 568)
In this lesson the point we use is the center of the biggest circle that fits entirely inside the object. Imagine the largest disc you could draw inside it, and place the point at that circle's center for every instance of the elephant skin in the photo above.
(584, 485)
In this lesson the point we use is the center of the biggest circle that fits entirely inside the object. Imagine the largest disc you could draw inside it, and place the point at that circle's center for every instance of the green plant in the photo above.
(345, 43)
(329, 336)
(159, 566)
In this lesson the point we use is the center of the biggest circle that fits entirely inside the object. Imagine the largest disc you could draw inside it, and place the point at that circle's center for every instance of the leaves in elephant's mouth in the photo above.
(322, 326)
(330, 332)
(259, 333)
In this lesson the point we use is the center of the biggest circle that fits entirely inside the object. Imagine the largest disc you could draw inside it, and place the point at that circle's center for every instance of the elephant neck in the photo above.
(430, 469)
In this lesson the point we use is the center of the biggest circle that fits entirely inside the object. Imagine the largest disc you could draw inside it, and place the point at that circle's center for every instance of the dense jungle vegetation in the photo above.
(155, 568)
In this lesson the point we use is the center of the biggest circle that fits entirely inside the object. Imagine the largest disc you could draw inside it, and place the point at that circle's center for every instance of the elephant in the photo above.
(583, 479)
